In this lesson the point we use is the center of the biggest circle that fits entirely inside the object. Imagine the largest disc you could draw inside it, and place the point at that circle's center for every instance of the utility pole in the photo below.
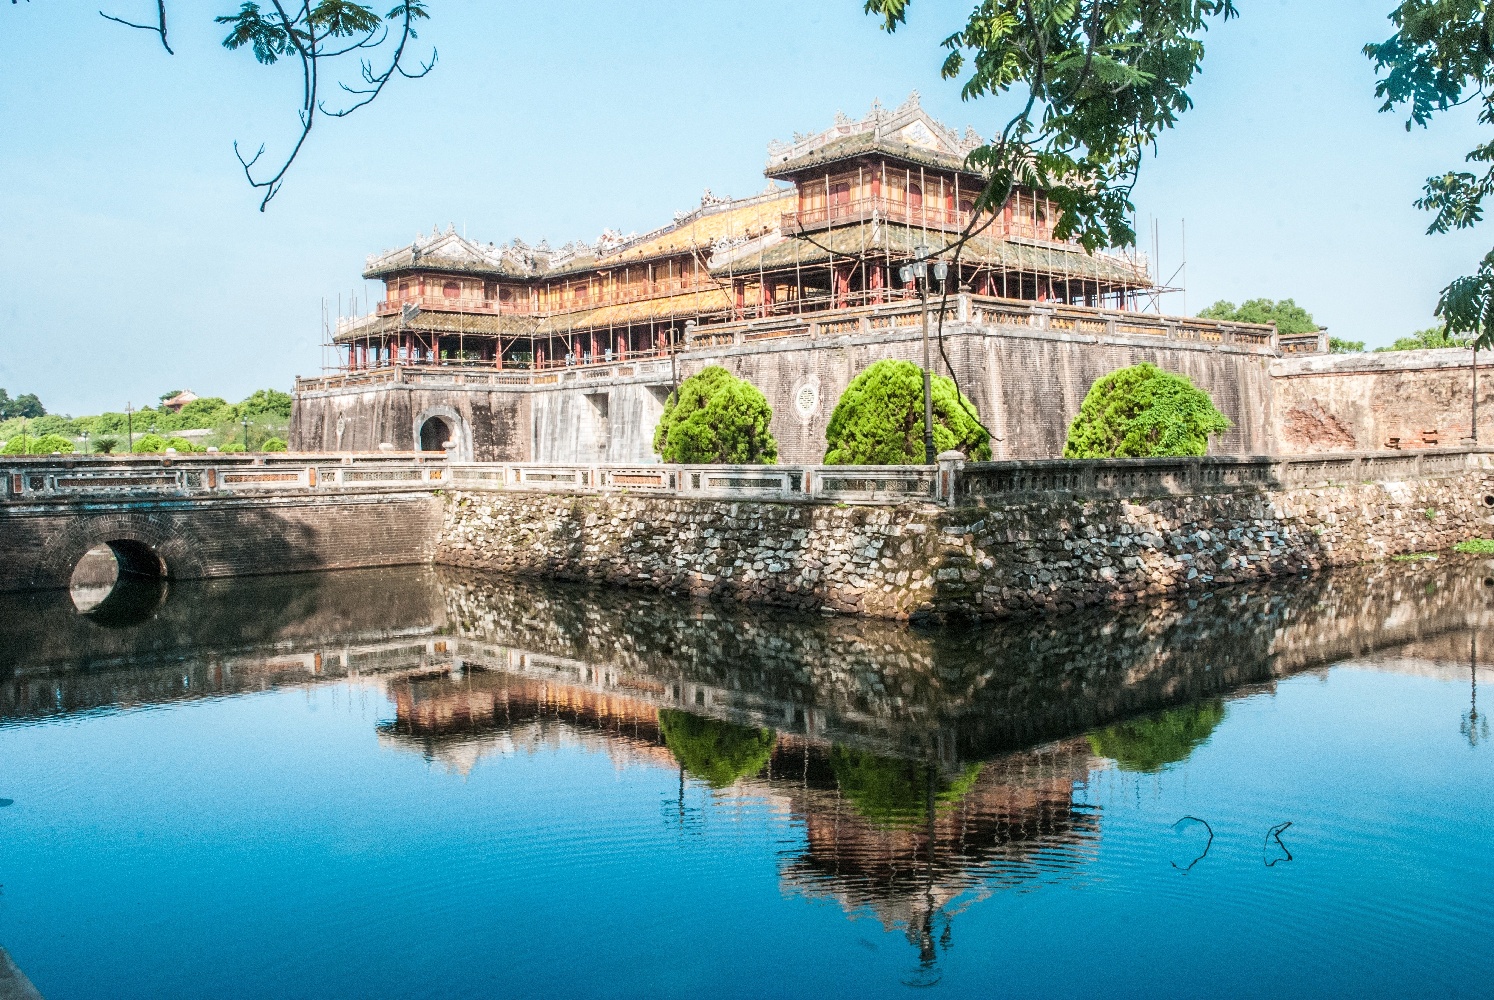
(130, 427)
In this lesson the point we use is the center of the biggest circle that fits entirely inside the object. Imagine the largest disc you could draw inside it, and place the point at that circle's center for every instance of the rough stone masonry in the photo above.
(916, 559)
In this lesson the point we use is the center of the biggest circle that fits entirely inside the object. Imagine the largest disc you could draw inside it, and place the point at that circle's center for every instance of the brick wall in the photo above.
(1361, 402)
(41, 543)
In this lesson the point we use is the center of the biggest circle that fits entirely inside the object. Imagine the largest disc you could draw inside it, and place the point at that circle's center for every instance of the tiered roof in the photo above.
(716, 223)
(908, 134)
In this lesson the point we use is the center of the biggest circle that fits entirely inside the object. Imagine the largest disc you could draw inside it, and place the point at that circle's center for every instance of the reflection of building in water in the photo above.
(1016, 822)
(457, 717)
(910, 842)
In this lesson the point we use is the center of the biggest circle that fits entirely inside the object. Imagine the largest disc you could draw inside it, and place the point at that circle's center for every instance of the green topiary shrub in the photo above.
(1152, 743)
(181, 444)
(150, 444)
(716, 419)
(1143, 412)
(716, 752)
(44, 445)
(232, 447)
(273, 444)
(879, 419)
(48, 443)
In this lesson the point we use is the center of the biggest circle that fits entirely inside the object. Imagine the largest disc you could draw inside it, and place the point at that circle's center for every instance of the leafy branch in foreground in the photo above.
(314, 34)
(1102, 78)
(1441, 56)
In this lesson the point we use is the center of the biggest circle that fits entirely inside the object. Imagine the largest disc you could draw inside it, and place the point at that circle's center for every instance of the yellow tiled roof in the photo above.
(749, 220)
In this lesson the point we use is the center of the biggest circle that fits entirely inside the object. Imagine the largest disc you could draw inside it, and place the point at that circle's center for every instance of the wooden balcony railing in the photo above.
(863, 209)
(440, 303)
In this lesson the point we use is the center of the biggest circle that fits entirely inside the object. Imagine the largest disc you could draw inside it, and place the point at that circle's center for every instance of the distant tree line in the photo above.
(263, 418)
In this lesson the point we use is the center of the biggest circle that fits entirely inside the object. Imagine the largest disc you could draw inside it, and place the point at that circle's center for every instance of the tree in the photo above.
(1103, 80)
(1337, 345)
(1431, 337)
(321, 36)
(715, 418)
(1150, 744)
(1467, 306)
(26, 405)
(1143, 412)
(1288, 316)
(271, 402)
(1442, 56)
(879, 419)
(716, 752)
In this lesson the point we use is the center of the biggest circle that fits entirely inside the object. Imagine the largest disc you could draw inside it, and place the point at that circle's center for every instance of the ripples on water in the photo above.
(429, 783)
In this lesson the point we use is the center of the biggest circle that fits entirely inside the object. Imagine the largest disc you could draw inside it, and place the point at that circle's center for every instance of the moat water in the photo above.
(424, 783)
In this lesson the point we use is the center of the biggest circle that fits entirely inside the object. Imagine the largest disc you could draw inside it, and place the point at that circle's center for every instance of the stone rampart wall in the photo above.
(492, 424)
(1046, 554)
(1027, 384)
(1363, 402)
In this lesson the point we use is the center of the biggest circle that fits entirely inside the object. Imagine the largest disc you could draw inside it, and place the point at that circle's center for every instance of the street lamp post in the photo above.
(85, 442)
(918, 272)
(130, 427)
(246, 433)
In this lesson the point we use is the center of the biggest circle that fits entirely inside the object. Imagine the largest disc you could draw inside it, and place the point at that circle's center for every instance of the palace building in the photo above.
(487, 346)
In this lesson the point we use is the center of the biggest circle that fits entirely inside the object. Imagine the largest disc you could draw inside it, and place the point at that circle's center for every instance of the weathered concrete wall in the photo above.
(41, 543)
(492, 424)
(1360, 402)
(1027, 384)
(611, 422)
(1049, 554)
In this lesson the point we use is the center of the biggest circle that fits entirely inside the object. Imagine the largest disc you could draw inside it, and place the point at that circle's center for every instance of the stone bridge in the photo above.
(213, 516)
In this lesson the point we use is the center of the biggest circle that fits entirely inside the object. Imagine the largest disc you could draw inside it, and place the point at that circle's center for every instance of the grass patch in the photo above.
(1415, 556)
(1476, 546)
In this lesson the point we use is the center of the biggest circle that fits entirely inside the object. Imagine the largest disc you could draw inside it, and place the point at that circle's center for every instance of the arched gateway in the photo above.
(144, 544)
(442, 428)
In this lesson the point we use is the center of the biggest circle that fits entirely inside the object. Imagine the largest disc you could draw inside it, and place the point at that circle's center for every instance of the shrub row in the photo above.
(1136, 412)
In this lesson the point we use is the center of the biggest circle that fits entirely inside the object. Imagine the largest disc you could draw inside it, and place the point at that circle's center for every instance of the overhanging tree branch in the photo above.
(159, 27)
(316, 32)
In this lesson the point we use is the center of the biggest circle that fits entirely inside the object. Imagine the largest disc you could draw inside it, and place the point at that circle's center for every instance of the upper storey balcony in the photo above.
(438, 302)
(853, 210)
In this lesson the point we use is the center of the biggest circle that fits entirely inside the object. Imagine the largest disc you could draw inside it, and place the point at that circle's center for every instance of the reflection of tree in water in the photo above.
(889, 790)
(1152, 743)
(716, 752)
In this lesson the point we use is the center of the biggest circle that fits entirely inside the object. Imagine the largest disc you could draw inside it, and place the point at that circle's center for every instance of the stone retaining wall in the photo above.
(1048, 554)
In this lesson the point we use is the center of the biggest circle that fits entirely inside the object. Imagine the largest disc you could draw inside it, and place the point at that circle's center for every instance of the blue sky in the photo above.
(138, 262)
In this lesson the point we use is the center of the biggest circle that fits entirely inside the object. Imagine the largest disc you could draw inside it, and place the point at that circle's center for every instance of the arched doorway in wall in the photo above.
(434, 434)
(435, 426)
